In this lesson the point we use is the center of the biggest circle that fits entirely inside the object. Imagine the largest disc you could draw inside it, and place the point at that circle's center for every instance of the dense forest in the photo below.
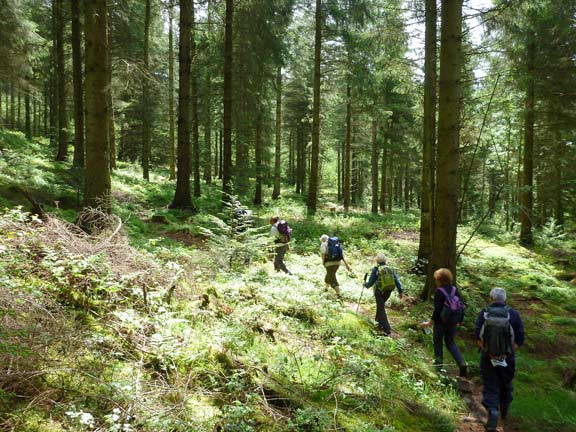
(144, 145)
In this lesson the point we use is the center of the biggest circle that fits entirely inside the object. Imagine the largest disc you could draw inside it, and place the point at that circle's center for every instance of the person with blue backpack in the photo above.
(499, 332)
(282, 234)
(384, 280)
(332, 259)
(447, 316)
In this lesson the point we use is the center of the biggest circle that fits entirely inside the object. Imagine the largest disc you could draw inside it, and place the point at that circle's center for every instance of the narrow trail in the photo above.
(475, 417)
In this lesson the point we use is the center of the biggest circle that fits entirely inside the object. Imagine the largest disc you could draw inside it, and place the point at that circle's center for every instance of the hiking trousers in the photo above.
(330, 277)
(381, 317)
(446, 333)
(279, 258)
(497, 383)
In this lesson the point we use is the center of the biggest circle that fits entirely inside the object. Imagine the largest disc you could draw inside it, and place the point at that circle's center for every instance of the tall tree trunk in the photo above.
(347, 149)
(526, 192)
(146, 97)
(447, 180)
(258, 155)
(220, 153)
(62, 154)
(384, 179)
(182, 198)
(374, 166)
(560, 151)
(194, 107)
(12, 105)
(110, 94)
(428, 139)
(208, 112)
(315, 156)
(27, 124)
(278, 148)
(78, 158)
(171, 133)
(227, 150)
(507, 185)
(97, 184)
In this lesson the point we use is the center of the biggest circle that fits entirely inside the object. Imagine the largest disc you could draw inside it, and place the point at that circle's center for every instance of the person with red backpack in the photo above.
(499, 332)
(447, 316)
(384, 280)
(332, 259)
(282, 234)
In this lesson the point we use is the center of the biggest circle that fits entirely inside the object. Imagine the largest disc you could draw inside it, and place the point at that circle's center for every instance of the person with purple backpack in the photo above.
(281, 233)
(447, 316)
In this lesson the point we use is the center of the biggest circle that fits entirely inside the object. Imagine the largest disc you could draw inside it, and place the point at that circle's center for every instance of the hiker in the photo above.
(444, 321)
(332, 259)
(281, 233)
(499, 333)
(384, 280)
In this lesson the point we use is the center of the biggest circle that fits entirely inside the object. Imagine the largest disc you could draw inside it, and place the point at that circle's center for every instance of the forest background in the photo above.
(135, 130)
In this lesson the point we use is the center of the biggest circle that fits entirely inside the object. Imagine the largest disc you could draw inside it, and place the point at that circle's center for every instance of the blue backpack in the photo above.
(334, 250)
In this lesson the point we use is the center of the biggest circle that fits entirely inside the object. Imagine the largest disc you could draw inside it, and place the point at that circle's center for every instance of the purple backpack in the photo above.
(285, 230)
(453, 309)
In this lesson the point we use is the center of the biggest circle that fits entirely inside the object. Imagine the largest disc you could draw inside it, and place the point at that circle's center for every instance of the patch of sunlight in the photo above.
(202, 409)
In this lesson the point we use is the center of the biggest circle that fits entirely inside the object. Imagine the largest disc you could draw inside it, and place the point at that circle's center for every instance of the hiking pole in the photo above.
(361, 292)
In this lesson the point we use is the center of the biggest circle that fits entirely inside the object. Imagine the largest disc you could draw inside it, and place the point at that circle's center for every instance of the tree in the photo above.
(146, 97)
(182, 198)
(97, 183)
(61, 79)
(428, 139)
(171, 133)
(315, 156)
(278, 148)
(447, 179)
(194, 103)
(78, 158)
(227, 116)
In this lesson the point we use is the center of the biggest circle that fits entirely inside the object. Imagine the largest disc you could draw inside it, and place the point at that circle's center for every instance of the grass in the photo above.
(240, 347)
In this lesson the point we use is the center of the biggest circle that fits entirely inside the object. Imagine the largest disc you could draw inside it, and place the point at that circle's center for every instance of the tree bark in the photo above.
(278, 148)
(208, 113)
(97, 184)
(62, 154)
(347, 152)
(171, 133)
(445, 226)
(110, 94)
(227, 150)
(374, 166)
(182, 198)
(526, 191)
(146, 97)
(194, 96)
(258, 156)
(315, 156)
(78, 157)
(428, 139)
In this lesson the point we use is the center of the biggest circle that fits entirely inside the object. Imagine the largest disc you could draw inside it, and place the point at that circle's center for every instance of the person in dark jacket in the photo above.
(497, 374)
(444, 332)
(382, 296)
(281, 246)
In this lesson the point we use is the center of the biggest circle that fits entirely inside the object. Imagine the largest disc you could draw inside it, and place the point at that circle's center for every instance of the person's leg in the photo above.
(332, 280)
(438, 336)
(279, 259)
(381, 316)
(490, 391)
(506, 376)
(451, 345)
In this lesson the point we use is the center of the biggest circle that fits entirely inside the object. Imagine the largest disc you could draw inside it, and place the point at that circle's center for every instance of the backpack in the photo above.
(453, 309)
(334, 250)
(386, 281)
(497, 332)
(285, 230)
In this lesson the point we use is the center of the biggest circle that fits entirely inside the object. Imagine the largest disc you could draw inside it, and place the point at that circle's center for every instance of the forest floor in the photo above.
(177, 322)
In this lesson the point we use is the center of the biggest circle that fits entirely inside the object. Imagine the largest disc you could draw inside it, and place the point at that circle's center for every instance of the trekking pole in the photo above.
(361, 292)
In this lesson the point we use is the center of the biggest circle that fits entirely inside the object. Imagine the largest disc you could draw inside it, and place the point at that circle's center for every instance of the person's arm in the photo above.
(346, 264)
(398, 285)
(477, 327)
(373, 278)
(438, 302)
(518, 326)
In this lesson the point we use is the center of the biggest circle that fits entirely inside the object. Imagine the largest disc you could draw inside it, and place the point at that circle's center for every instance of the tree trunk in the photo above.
(277, 150)
(171, 133)
(374, 166)
(428, 139)
(347, 149)
(97, 184)
(258, 156)
(62, 154)
(227, 150)
(182, 198)
(383, 183)
(78, 158)
(526, 191)
(445, 225)
(110, 95)
(27, 123)
(208, 113)
(146, 97)
(194, 96)
(315, 156)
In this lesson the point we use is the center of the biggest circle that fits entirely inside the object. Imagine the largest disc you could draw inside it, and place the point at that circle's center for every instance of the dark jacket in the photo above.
(439, 299)
(374, 277)
(515, 322)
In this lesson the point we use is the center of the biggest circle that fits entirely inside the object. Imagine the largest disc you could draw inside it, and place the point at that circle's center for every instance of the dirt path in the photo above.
(475, 417)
